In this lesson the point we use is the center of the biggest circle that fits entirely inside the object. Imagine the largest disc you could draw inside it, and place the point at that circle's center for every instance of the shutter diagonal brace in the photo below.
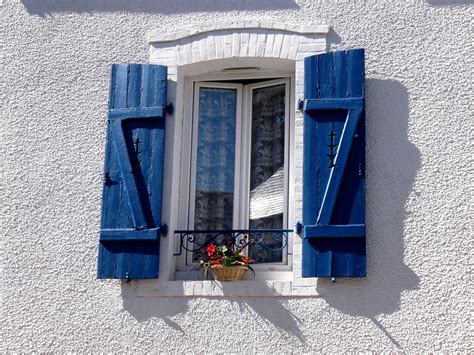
(337, 172)
(355, 108)
(126, 170)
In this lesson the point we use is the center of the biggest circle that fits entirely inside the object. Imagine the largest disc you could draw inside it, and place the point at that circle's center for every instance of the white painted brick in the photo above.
(293, 52)
(211, 48)
(235, 45)
(300, 291)
(313, 292)
(277, 287)
(172, 70)
(285, 46)
(305, 282)
(317, 31)
(244, 44)
(219, 42)
(188, 288)
(302, 56)
(252, 51)
(165, 53)
(181, 57)
(188, 53)
(311, 47)
(195, 52)
(207, 288)
(217, 289)
(286, 288)
(269, 45)
(261, 44)
(299, 66)
(203, 50)
(167, 62)
(277, 45)
(251, 24)
(228, 46)
(198, 288)
(279, 26)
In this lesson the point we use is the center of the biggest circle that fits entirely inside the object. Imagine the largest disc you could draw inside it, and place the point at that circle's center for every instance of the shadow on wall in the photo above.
(48, 7)
(267, 312)
(450, 2)
(393, 164)
(145, 308)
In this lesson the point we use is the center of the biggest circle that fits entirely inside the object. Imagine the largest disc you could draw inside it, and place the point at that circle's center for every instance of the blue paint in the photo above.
(139, 112)
(334, 231)
(334, 196)
(333, 104)
(131, 205)
(129, 234)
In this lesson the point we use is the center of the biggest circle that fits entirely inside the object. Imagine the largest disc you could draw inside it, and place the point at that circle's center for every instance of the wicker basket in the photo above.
(228, 273)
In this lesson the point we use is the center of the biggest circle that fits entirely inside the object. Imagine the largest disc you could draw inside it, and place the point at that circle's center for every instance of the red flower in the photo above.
(210, 249)
(245, 260)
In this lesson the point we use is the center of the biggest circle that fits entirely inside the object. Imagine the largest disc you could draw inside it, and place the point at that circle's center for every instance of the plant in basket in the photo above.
(225, 263)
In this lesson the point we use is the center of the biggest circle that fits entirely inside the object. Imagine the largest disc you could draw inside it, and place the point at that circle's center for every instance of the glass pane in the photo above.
(267, 182)
(215, 161)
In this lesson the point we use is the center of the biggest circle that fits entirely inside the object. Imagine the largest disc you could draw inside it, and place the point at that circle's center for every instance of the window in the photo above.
(231, 175)
(238, 163)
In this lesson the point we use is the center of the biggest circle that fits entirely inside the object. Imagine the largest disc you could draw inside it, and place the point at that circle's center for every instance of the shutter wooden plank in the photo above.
(334, 161)
(333, 104)
(131, 113)
(335, 231)
(131, 210)
(130, 234)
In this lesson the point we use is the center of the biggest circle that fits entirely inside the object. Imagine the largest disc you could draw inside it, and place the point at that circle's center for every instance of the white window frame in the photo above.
(283, 270)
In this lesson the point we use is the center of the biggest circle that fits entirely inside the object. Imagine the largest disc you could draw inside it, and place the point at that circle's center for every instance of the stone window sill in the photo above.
(252, 288)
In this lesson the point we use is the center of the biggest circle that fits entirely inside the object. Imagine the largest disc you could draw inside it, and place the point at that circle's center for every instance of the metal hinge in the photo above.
(169, 108)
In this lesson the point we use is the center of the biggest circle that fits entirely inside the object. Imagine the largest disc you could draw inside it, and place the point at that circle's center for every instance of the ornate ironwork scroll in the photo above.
(196, 240)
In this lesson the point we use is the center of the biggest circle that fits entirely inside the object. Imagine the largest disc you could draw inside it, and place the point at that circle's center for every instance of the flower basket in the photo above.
(228, 273)
(226, 264)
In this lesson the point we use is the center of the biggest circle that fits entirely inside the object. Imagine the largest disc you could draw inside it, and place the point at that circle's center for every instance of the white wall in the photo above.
(56, 57)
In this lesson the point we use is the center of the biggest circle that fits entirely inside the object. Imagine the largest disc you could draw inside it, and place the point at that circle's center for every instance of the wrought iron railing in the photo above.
(271, 240)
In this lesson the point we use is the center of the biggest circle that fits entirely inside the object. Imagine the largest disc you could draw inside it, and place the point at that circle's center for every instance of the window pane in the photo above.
(215, 160)
(267, 184)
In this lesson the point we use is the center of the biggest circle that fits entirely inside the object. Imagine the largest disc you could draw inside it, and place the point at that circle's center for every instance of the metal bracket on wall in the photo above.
(164, 230)
(169, 108)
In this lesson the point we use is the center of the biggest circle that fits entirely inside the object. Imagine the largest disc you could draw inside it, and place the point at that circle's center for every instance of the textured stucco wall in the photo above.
(55, 63)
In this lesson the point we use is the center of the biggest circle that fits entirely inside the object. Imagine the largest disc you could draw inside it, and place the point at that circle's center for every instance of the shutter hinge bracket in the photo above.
(169, 108)
(300, 104)
(164, 230)
(299, 228)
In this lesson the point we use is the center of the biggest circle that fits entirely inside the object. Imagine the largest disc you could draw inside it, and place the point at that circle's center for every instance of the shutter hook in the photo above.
(127, 276)
(333, 280)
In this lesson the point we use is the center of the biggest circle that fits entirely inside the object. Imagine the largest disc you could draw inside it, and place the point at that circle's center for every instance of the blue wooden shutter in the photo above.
(334, 162)
(131, 206)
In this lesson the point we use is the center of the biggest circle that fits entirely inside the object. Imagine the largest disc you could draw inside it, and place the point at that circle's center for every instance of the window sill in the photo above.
(251, 288)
